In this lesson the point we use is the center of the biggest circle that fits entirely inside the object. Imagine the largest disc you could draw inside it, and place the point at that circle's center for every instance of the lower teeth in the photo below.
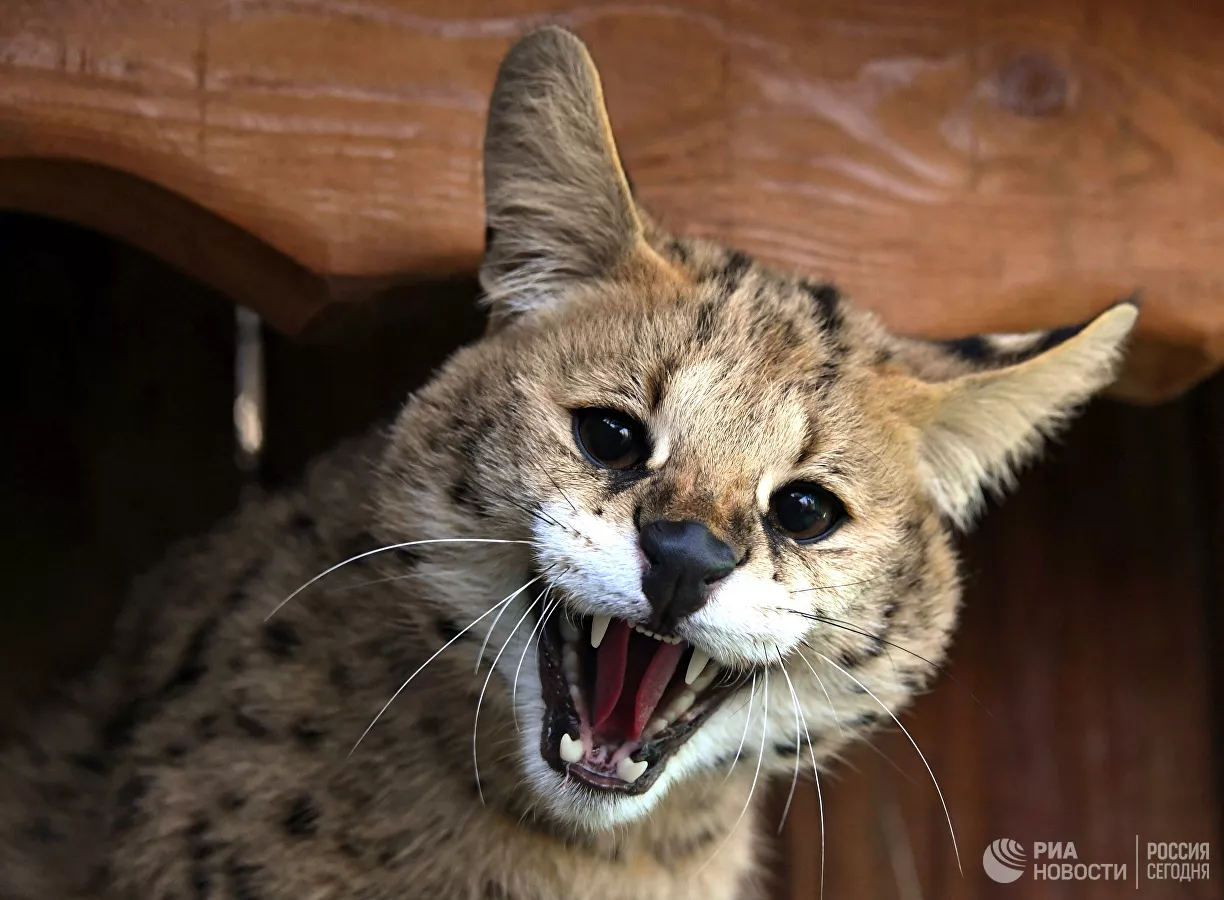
(629, 771)
(572, 750)
(700, 674)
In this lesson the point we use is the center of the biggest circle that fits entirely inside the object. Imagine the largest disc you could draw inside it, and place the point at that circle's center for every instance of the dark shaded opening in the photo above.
(118, 430)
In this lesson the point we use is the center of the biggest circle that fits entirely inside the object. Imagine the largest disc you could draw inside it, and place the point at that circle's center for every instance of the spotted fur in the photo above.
(209, 755)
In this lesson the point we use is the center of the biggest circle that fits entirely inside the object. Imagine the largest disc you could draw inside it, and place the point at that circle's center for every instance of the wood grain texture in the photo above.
(959, 166)
(1088, 638)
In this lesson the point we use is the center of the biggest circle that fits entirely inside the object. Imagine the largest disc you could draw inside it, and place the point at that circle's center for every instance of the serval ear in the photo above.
(558, 205)
(986, 404)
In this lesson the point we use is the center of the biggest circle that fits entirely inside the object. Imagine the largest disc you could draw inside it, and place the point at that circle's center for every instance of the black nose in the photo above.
(685, 559)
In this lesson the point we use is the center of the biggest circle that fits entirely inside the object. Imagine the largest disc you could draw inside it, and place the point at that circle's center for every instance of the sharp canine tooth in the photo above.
(599, 627)
(629, 771)
(572, 750)
(696, 665)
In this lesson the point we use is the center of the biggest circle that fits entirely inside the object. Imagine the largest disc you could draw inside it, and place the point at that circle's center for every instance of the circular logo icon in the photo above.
(1004, 860)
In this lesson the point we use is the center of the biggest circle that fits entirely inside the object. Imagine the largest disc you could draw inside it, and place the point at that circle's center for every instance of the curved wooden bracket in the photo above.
(958, 169)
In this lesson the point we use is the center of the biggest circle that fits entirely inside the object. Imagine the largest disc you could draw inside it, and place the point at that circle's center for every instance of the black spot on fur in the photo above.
(304, 524)
(231, 801)
(206, 726)
(361, 542)
(91, 762)
(826, 304)
(238, 593)
(191, 666)
(174, 751)
(128, 809)
(788, 335)
(732, 274)
(826, 375)
(117, 731)
(678, 251)
(447, 630)
(41, 831)
(281, 640)
(706, 324)
(307, 734)
(249, 725)
(495, 891)
(848, 659)
(199, 847)
(302, 818)
(408, 556)
(340, 677)
(201, 884)
(431, 725)
(242, 880)
(462, 494)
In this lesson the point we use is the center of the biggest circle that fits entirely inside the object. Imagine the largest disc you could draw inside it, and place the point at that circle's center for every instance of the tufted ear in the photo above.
(987, 403)
(558, 205)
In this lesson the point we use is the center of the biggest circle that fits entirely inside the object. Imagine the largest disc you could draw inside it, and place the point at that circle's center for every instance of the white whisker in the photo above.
(539, 626)
(485, 644)
(798, 747)
(820, 681)
(934, 780)
(419, 668)
(744, 736)
(815, 775)
(353, 559)
(755, 776)
(488, 678)
(374, 581)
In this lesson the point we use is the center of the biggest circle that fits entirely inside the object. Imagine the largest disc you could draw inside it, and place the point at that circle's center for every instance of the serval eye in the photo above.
(806, 512)
(611, 439)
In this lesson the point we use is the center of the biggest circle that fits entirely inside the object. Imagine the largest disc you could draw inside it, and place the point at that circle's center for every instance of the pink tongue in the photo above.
(654, 683)
(610, 664)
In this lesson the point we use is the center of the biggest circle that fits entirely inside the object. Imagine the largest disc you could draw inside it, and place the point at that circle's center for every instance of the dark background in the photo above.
(1087, 699)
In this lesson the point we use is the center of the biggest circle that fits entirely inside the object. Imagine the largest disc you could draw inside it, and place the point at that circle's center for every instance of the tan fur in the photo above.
(208, 757)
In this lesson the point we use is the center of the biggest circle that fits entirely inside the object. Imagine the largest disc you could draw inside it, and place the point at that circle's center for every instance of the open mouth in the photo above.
(621, 699)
